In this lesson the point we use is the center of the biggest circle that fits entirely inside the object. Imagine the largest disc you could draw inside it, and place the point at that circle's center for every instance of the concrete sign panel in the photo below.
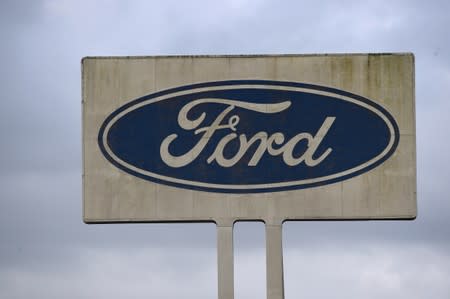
(225, 138)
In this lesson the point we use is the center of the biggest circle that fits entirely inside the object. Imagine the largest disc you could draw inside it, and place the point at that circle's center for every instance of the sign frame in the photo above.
(111, 195)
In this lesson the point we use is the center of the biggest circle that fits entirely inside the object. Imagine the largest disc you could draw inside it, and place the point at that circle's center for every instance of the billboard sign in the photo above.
(287, 137)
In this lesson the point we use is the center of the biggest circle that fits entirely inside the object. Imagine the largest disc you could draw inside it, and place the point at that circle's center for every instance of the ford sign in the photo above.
(248, 136)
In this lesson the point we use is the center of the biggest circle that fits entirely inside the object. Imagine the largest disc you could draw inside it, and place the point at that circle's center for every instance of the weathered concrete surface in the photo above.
(274, 261)
(225, 260)
(386, 192)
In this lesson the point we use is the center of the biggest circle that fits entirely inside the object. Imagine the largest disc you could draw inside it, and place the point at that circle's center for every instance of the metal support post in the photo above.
(274, 261)
(225, 260)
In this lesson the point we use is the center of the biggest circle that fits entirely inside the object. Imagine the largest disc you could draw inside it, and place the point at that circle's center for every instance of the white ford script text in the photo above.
(274, 144)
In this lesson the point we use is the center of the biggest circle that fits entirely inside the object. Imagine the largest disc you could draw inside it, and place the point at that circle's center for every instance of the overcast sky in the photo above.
(46, 251)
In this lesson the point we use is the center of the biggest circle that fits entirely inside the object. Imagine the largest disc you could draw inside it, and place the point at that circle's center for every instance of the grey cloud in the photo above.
(115, 273)
(19, 13)
(367, 271)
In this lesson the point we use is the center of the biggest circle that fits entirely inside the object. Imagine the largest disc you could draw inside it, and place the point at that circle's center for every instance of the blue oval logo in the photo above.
(248, 136)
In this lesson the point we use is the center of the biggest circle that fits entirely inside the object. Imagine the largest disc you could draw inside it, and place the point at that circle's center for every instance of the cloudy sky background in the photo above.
(47, 252)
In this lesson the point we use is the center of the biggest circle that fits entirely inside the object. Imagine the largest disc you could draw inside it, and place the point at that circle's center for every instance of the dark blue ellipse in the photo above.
(361, 132)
